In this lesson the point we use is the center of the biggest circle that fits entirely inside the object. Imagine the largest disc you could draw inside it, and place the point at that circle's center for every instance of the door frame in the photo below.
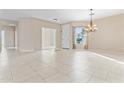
(73, 38)
(54, 37)
(15, 36)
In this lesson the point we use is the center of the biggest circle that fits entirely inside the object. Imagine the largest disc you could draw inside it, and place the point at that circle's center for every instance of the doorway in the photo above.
(66, 31)
(2, 38)
(7, 37)
(48, 38)
(79, 38)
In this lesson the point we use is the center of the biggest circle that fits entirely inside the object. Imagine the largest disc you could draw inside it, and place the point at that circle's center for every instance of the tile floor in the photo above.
(66, 66)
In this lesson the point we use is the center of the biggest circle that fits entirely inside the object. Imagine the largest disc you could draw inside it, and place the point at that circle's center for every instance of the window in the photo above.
(2, 38)
(80, 35)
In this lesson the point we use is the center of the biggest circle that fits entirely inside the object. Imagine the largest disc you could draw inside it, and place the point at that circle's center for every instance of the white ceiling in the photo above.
(63, 15)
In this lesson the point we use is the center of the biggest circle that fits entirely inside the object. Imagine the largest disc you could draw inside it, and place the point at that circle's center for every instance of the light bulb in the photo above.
(89, 26)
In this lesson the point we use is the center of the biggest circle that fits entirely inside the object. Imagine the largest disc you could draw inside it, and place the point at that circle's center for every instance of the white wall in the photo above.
(110, 35)
(30, 33)
(4, 22)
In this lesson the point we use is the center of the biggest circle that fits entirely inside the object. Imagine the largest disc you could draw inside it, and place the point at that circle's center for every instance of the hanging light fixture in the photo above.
(91, 27)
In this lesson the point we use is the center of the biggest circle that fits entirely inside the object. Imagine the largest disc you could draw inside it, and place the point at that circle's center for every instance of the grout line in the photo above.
(11, 73)
(89, 79)
(37, 73)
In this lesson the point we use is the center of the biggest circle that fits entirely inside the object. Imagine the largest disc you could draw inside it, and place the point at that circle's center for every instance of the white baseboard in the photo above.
(10, 47)
(58, 49)
(25, 50)
(107, 51)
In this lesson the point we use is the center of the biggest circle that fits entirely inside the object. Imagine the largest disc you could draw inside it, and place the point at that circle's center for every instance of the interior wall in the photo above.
(110, 34)
(30, 33)
(4, 22)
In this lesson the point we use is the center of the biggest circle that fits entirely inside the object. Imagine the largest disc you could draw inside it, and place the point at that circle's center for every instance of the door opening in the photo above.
(48, 38)
(2, 38)
(7, 37)
(79, 38)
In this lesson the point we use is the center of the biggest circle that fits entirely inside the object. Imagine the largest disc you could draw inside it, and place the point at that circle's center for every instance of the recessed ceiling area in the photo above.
(62, 15)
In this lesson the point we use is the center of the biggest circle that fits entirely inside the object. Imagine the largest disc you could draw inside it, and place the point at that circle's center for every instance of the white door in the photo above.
(2, 38)
(66, 36)
(48, 38)
(10, 39)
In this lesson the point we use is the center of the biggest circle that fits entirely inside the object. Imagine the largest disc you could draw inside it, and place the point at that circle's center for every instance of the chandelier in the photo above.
(91, 27)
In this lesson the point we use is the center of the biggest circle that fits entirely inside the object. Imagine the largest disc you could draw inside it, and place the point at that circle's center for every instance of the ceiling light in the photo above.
(55, 19)
(91, 27)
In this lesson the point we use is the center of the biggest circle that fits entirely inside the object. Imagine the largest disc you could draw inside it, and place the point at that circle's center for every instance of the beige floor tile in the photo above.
(58, 78)
(64, 66)
(115, 78)
(79, 76)
(46, 72)
(34, 79)
(22, 72)
(97, 80)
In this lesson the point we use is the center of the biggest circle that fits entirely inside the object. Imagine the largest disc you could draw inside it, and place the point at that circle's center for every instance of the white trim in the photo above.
(58, 49)
(16, 37)
(25, 50)
(10, 47)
